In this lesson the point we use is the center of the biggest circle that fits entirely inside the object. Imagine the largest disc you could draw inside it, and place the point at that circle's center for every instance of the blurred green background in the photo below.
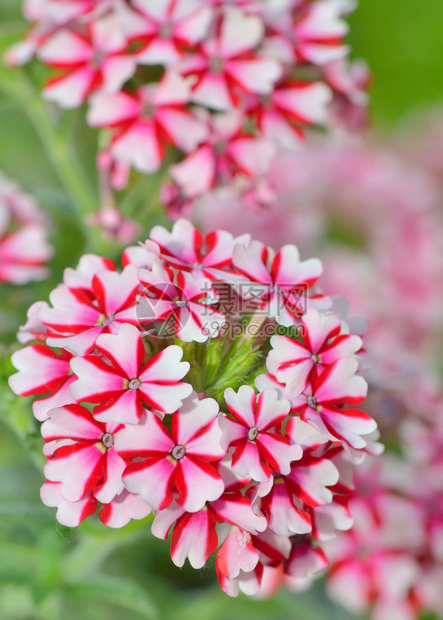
(51, 572)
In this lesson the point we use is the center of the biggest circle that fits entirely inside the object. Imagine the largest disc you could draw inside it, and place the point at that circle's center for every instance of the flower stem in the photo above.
(59, 152)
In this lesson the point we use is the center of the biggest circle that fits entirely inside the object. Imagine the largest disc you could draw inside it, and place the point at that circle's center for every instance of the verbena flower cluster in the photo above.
(390, 564)
(208, 382)
(24, 247)
(222, 83)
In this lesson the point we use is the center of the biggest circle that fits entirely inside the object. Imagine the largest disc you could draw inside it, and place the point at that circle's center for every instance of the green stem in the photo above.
(63, 160)
(59, 152)
(258, 319)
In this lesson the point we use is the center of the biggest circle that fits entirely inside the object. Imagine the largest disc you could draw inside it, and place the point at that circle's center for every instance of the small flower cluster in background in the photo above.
(24, 248)
(239, 441)
(394, 555)
(222, 84)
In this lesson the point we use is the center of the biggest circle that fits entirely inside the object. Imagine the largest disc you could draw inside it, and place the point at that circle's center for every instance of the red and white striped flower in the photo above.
(68, 513)
(146, 121)
(33, 328)
(255, 433)
(227, 153)
(181, 304)
(319, 32)
(81, 454)
(283, 115)
(58, 11)
(283, 510)
(24, 254)
(226, 67)
(24, 249)
(322, 404)
(195, 535)
(312, 476)
(47, 16)
(115, 514)
(280, 280)
(43, 371)
(175, 464)
(171, 27)
(304, 563)
(237, 564)
(186, 248)
(295, 362)
(251, 482)
(95, 59)
(122, 383)
(77, 317)
(122, 509)
(83, 275)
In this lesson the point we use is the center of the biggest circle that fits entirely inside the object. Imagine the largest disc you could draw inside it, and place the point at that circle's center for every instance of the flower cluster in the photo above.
(210, 383)
(391, 563)
(222, 83)
(24, 249)
(393, 557)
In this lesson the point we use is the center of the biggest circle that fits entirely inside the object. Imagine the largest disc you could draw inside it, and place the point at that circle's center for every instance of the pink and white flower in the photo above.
(314, 473)
(282, 508)
(304, 563)
(48, 16)
(318, 34)
(195, 535)
(349, 82)
(258, 484)
(116, 514)
(24, 254)
(237, 564)
(68, 513)
(24, 248)
(58, 11)
(33, 328)
(123, 508)
(83, 275)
